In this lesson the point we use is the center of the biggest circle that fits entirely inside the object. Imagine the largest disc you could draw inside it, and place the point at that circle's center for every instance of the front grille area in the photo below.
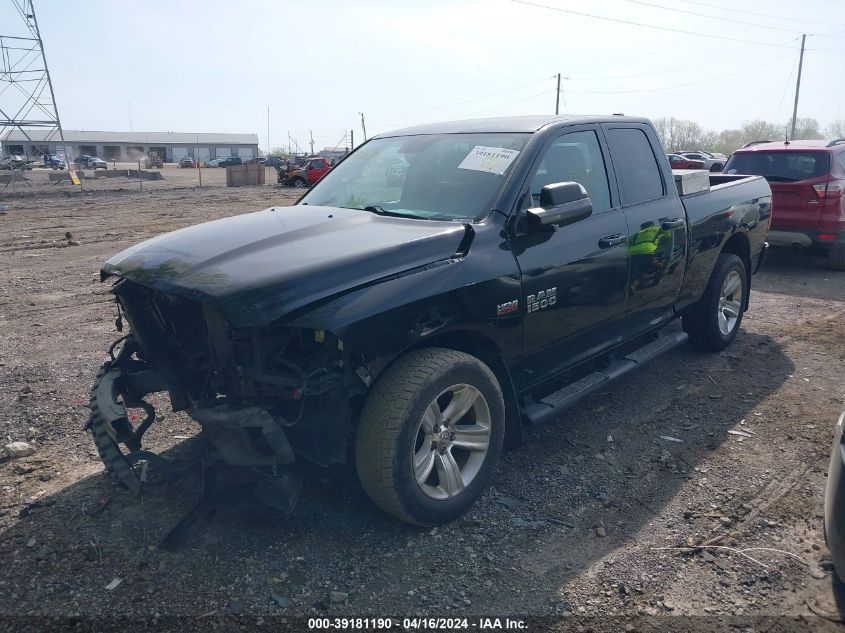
(171, 331)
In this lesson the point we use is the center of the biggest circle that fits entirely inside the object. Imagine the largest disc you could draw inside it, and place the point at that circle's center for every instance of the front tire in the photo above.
(430, 435)
(713, 322)
(114, 458)
(299, 183)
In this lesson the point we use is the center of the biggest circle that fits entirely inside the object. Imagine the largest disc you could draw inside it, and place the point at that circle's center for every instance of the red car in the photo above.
(676, 161)
(311, 171)
(807, 180)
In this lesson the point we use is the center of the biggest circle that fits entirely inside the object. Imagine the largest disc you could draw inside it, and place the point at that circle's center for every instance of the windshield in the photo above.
(780, 166)
(438, 177)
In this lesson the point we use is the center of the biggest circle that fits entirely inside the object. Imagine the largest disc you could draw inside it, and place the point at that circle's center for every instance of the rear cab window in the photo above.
(637, 169)
(780, 165)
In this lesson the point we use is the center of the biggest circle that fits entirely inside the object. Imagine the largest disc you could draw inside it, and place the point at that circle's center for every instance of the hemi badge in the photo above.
(508, 307)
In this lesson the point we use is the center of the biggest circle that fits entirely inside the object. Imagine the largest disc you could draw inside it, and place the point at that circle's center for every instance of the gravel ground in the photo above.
(577, 522)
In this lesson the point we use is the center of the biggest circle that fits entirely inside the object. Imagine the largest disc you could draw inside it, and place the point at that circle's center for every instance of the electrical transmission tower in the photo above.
(27, 101)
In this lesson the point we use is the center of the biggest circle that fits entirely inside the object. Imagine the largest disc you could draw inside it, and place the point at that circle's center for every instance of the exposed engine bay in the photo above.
(258, 393)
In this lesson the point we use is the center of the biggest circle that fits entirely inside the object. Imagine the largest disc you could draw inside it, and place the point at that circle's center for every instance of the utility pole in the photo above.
(268, 130)
(557, 96)
(798, 86)
(196, 158)
(351, 139)
(363, 126)
(312, 141)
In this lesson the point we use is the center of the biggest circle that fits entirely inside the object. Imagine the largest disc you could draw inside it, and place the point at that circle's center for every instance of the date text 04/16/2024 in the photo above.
(415, 624)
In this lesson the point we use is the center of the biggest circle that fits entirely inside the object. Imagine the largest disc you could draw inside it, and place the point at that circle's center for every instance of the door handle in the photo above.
(612, 240)
(672, 223)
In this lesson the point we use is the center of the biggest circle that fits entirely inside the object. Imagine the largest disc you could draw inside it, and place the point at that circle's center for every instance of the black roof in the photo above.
(525, 124)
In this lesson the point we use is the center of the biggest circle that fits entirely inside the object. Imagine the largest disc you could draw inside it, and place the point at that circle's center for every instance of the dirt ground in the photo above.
(579, 522)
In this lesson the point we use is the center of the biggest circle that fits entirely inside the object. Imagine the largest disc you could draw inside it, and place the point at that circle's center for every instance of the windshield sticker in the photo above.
(493, 160)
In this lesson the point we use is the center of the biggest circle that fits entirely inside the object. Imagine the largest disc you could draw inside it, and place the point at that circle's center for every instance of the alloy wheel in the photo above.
(730, 302)
(451, 442)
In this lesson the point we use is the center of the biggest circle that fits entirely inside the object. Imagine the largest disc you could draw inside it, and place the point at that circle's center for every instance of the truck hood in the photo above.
(260, 266)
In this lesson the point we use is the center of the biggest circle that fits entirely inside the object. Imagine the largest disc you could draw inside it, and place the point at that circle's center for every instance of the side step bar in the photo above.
(548, 407)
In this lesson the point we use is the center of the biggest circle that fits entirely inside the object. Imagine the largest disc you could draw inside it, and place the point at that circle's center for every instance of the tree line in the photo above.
(680, 134)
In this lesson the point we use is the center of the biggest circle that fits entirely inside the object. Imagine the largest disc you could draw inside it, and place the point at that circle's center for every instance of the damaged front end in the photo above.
(261, 394)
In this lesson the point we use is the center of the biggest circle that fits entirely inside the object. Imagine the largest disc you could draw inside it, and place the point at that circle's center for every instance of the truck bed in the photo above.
(733, 203)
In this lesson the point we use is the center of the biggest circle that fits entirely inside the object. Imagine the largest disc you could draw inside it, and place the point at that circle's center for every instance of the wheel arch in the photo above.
(484, 348)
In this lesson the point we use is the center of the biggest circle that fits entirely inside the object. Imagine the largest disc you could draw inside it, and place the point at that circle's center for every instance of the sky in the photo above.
(216, 66)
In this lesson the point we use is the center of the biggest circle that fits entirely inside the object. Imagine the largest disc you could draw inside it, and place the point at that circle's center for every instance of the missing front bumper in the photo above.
(240, 434)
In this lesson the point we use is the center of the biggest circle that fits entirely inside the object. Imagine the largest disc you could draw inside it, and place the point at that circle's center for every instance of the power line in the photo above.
(647, 26)
(450, 105)
(684, 85)
(760, 15)
(503, 105)
(711, 17)
(788, 82)
(639, 75)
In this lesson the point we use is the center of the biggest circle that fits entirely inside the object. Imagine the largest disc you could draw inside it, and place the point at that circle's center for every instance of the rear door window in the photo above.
(780, 166)
(637, 170)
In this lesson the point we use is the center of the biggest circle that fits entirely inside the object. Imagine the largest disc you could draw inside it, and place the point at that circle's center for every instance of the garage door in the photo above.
(245, 152)
(179, 153)
(223, 152)
(204, 154)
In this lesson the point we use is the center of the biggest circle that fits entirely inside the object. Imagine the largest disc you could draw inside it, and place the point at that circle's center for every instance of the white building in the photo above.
(129, 146)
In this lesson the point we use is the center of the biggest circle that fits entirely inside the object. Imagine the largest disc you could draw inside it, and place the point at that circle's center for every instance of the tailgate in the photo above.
(795, 205)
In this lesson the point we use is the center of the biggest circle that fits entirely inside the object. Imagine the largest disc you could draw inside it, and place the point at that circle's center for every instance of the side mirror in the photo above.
(561, 203)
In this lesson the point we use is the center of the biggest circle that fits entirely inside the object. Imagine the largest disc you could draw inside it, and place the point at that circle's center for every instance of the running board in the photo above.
(548, 407)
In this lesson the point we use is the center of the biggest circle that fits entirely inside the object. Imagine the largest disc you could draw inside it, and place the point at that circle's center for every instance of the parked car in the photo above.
(274, 161)
(90, 162)
(419, 326)
(258, 160)
(186, 162)
(808, 183)
(53, 161)
(15, 161)
(676, 161)
(231, 161)
(309, 173)
(710, 161)
(216, 162)
(834, 499)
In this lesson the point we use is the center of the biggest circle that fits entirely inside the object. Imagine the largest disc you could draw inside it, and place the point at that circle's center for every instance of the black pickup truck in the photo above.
(412, 326)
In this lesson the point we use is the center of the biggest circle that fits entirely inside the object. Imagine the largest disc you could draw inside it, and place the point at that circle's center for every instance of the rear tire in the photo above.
(713, 322)
(430, 435)
(836, 258)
